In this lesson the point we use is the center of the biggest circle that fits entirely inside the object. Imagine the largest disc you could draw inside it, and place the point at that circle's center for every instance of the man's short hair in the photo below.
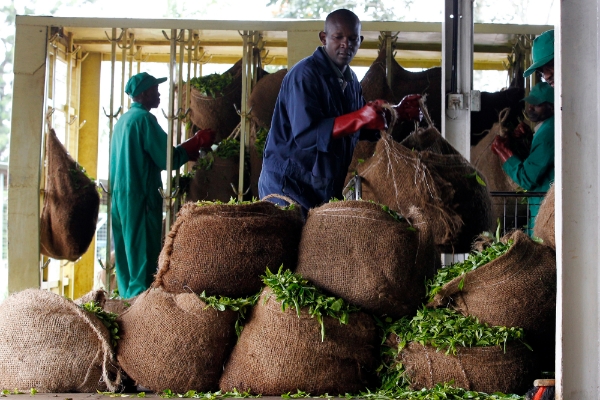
(341, 14)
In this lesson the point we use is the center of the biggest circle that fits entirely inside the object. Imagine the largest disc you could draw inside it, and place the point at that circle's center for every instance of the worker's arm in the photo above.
(530, 173)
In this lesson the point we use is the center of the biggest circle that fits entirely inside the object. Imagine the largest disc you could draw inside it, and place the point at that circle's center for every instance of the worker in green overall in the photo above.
(535, 173)
(138, 154)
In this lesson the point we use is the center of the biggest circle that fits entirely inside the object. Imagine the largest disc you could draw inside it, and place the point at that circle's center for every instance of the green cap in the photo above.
(541, 93)
(542, 52)
(141, 82)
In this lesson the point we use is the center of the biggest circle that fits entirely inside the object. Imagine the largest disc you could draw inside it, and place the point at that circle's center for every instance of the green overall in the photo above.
(138, 154)
(536, 172)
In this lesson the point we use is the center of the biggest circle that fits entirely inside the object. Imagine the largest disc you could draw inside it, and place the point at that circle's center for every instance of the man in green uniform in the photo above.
(138, 154)
(536, 172)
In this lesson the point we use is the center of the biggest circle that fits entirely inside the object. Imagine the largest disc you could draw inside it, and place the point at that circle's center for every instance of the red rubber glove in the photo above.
(522, 130)
(500, 148)
(371, 116)
(409, 109)
(202, 138)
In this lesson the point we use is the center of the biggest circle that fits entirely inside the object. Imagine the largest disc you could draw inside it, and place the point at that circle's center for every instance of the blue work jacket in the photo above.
(301, 160)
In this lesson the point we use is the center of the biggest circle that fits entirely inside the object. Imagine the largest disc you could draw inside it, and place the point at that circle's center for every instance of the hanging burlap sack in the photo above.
(397, 177)
(224, 249)
(517, 289)
(49, 343)
(218, 113)
(359, 252)
(173, 341)
(481, 369)
(263, 97)
(215, 182)
(279, 352)
(374, 84)
(71, 204)
(544, 222)
(363, 150)
(472, 200)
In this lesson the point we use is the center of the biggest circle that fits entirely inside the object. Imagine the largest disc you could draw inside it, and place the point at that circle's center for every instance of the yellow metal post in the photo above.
(87, 155)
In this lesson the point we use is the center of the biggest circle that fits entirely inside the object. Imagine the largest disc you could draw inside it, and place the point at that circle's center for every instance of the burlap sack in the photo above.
(518, 289)
(482, 369)
(472, 200)
(544, 222)
(49, 343)
(357, 251)
(279, 352)
(224, 249)
(215, 183)
(71, 205)
(263, 97)
(172, 341)
(218, 113)
(397, 177)
(363, 150)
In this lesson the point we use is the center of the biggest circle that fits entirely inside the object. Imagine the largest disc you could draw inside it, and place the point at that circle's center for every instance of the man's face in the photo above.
(540, 112)
(341, 40)
(547, 72)
(151, 97)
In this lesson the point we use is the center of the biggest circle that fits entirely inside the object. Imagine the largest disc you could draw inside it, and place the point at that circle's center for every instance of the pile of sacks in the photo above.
(374, 259)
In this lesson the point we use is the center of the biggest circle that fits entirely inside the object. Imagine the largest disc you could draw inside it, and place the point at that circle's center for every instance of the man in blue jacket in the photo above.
(318, 117)
(138, 153)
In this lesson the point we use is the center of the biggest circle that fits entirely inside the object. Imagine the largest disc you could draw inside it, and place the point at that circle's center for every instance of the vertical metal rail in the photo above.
(168, 194)
(388, 57)
(130, 60)
(111, 116)
(124, 49)
(244, 128)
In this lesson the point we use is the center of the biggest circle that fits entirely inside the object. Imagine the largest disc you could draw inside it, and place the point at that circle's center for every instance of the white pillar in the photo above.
(456, 117)
(577, 100)
(29, 96)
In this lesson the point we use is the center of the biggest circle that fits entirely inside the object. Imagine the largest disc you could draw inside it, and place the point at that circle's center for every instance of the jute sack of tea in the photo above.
(280, 352)
(358, 251)
(213, 181)
(218, 113)
(173, 341)
(49, 343)
(263, 97)
(397, 177)
(482, 369)
(517, 289)
(544, 222)
(71, 205)
(224, 248)
(100, 297)
(472, 200)
(363, 150)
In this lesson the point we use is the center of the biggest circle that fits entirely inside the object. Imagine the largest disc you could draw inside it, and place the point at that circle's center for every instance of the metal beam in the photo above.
(29, 97)
(577, 205)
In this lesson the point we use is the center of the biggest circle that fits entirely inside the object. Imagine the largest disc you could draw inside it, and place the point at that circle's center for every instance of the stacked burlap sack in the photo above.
(425, 171)
(368, 255)
(53, 345)
(174, 336)
(544, 222)
(516, 290)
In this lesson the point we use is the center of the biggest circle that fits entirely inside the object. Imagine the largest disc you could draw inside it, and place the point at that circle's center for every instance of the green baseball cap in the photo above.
(140, 83)
(541, 93)
(542, 52)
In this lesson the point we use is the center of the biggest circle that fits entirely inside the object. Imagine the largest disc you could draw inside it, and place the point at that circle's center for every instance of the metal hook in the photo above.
(102, 187)
(126, 47)
(53, 39)
(246, 115)
(117, 39)
(192, 38)
(82, 124)
(112, 116)
(177, 39)
(173, 117)
(202, 61)
(72, 120)
(236, 192)
(183, 115)
(174, 193)
(108, 267)
(46, 264)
